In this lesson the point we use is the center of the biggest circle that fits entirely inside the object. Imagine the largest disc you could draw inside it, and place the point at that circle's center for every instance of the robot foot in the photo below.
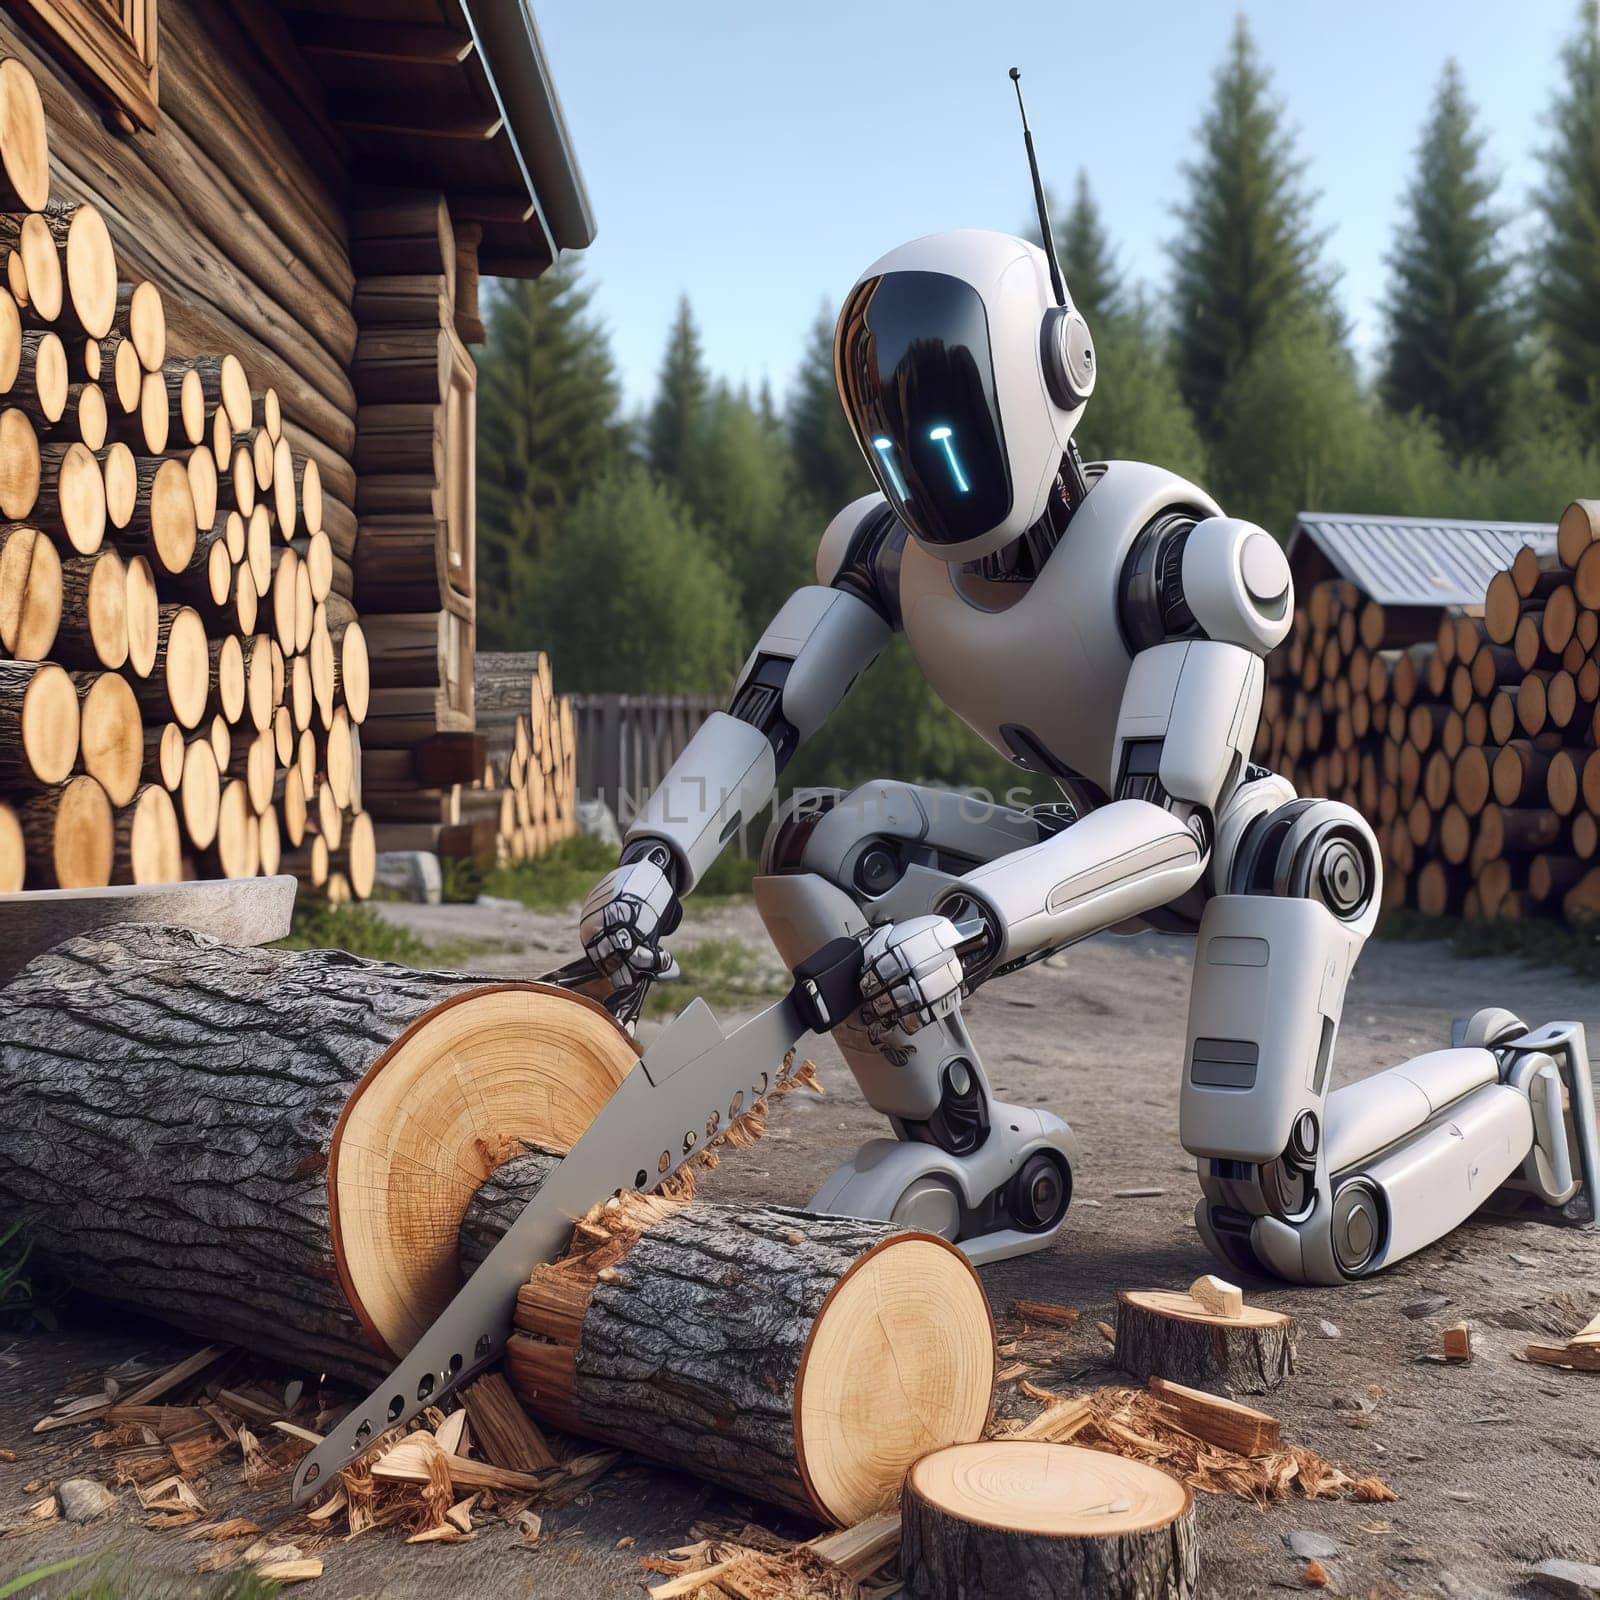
(1006, 1197)
(1503, 1119)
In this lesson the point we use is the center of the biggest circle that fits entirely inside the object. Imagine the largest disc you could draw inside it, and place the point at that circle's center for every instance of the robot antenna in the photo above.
(1057, 282)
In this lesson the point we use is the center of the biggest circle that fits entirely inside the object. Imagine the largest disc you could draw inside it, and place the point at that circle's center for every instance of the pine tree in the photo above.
(829, 471)
(1136, 412)
(683, 393)
(1246, 253)
(739, 489)
(1086, 255)
(1568, 289)
(547, 400)
(635, 600)
(1452, 341)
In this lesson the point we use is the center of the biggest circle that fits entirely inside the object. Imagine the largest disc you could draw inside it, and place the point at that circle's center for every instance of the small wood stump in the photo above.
(1032, 1520)
(1162, 1334)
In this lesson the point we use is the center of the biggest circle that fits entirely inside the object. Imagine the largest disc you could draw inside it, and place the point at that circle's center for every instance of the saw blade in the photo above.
(691, 1082)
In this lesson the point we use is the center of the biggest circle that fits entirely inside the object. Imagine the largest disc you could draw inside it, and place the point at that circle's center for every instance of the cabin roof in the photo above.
(455, 96)
(1416, 561)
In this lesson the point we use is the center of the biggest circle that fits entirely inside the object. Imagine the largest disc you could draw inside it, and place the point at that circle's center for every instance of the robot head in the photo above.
(963, 379)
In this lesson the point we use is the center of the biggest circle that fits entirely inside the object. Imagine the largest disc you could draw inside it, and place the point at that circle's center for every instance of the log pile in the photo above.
(182, 675)
(1466, 736)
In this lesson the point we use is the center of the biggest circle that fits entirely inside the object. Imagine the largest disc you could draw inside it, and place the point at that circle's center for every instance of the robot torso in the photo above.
(1037, 669)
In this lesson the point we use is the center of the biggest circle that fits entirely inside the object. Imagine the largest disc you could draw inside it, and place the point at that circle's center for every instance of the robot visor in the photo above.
(916, 376)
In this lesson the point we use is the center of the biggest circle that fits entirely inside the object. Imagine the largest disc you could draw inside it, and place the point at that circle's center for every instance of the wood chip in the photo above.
(330, 1508)
(300, 1571)
(1458, 1343)
(451, 1434)
(1043, 1311)
(1219, 1297)
(1315, 1575)
(1107, 1332)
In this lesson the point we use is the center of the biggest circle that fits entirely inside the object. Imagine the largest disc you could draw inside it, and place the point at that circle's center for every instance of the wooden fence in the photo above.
(626, 743)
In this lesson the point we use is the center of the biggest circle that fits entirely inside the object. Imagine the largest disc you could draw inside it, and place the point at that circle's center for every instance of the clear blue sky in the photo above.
(759, 156)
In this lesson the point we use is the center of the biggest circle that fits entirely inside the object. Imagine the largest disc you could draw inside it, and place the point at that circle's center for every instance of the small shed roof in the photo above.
(1418, 561)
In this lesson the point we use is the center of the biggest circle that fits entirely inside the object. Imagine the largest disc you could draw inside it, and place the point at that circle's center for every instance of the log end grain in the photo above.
(543, 1062)
(142, 616)
(911, 1305)
(24, 143)
(111, 737)
(1031, 1517)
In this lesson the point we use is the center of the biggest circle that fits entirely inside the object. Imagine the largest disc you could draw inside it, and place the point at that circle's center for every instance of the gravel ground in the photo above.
(1497, 1463)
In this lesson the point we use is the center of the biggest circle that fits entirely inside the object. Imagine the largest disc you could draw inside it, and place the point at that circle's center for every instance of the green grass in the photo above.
(560, 878)
(727, 973)
(364, 933)
(112, 1579)
(1537, 943)
(563, 877)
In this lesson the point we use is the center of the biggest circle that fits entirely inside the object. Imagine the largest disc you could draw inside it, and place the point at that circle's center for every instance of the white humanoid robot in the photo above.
(1105, 626)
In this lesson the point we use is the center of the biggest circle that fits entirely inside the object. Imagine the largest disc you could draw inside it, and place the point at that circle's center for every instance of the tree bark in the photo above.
(808, 1360)
(275, 1147)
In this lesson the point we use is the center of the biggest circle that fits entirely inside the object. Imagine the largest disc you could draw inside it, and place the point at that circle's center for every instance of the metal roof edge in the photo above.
(508, 43)
(1384, 520)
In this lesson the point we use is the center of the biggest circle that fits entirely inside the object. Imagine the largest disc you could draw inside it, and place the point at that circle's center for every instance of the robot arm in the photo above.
(1217, 599)
(822, 639)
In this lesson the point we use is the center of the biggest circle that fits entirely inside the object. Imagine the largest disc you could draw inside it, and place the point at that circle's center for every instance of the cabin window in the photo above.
(460, 468)
(109, 44)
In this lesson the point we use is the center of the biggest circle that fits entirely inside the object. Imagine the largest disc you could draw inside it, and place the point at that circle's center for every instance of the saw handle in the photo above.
(827, 984)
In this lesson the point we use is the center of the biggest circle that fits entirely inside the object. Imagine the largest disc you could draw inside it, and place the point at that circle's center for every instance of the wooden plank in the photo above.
(1235, 1427)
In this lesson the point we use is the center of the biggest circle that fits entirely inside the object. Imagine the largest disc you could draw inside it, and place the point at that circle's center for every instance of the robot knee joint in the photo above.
(1318, 850)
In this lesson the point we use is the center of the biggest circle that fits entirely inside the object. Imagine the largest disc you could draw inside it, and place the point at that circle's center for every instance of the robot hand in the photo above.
(913, 973)
(623, 922)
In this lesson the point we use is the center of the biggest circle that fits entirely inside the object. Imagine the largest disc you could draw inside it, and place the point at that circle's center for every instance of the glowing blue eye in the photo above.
(885, 448)
(941, 435)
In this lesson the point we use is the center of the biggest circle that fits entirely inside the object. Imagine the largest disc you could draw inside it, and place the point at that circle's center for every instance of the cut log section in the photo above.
(13, 853)
(142, 609)
(1028, 1517)
(807, 1360)
(24, 145)
(1166, 1335)
(257, 1196)
(67, 832)
(38, 724)
(31, 593)
(72, 507)
(111, 737)
(148, 846)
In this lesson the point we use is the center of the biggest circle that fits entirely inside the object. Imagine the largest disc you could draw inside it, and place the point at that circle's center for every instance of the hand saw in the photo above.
(689, 1084)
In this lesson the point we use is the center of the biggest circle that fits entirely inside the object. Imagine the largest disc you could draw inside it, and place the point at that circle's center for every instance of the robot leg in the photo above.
(995, 1178)
(1318, 1186)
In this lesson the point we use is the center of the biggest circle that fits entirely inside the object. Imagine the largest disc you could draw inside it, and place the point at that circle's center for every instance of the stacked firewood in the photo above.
(184, 677)
(1466, 736)
(530, 776)
(520, 797)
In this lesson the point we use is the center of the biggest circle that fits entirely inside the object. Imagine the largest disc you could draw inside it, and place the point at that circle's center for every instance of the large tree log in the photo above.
(1025, 1518)
(276, 1148)
(808, 1360)
(1174, 1336)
